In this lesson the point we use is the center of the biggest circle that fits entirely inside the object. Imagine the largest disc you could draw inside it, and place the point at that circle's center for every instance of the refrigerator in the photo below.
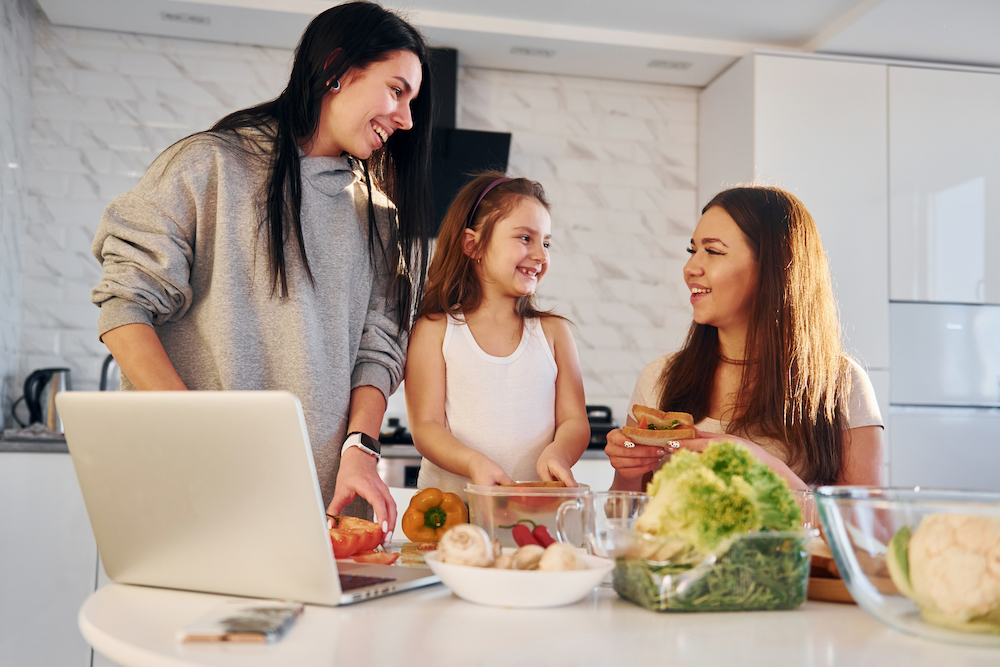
(944, 395)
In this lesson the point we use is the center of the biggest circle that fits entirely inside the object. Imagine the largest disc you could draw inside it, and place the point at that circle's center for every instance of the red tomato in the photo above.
(344, 543)
(642, 422)
(378, 557)
(369, 533)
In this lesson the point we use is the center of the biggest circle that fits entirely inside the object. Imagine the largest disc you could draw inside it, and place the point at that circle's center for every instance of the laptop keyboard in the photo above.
(350, 582)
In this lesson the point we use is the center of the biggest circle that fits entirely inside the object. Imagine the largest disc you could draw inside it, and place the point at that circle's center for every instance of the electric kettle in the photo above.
(40, 389)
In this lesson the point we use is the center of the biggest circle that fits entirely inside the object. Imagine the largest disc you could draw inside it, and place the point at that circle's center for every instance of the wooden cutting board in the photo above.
(828, 590)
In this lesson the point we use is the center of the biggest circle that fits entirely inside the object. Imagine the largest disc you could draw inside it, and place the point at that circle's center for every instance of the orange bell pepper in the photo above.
(431, 513)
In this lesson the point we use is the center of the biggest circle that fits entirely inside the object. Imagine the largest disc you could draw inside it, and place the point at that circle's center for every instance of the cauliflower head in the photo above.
(954, 567)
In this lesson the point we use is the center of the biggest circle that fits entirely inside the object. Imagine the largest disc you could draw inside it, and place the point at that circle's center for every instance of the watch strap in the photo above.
(364, 442)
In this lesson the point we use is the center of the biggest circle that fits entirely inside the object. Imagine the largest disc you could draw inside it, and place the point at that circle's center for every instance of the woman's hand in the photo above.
(631, 463)
(486, 472)
(704, 439)
(358, 476)
(553, 465)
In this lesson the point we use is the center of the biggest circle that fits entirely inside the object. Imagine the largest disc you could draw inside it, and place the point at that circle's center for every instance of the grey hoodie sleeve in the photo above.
(382, 354)
(146, 239)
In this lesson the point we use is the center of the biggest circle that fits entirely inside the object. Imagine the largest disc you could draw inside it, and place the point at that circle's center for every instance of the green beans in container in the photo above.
(759, 571)
(721, 532)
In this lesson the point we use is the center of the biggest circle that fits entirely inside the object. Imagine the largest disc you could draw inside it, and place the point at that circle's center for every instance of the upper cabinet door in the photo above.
(820, 132)
(944, 185)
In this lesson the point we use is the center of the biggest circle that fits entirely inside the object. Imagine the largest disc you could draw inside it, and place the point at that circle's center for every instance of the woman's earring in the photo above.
(335, 86)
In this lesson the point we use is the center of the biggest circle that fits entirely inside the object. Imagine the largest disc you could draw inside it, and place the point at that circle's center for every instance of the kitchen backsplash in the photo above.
(17, 36)
(617, 159)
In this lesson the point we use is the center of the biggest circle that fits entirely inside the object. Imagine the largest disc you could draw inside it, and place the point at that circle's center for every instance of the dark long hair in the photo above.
(352, 35)
(453, 286)
(796, 386)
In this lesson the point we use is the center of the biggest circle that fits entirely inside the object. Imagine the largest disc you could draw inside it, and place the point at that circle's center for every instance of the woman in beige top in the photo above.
(763, 361)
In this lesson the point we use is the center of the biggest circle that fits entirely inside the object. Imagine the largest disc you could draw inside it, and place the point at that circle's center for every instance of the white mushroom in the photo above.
(527, 557)
(466, 544)
(504, 562)
(559, 557)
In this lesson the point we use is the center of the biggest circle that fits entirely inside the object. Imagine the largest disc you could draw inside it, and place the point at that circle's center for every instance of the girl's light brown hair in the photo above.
(796, 386)
(453, 285)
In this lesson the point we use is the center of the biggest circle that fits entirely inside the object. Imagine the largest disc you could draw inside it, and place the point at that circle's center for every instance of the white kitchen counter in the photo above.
(137, 626)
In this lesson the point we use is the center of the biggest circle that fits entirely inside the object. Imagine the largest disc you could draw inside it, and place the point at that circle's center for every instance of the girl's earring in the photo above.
(333, 87)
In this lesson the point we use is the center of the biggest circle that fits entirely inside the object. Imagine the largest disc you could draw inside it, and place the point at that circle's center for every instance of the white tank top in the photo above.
(504, 407)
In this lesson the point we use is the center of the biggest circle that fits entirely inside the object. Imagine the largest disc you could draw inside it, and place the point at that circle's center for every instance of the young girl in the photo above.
(763, 362)
(493, 386)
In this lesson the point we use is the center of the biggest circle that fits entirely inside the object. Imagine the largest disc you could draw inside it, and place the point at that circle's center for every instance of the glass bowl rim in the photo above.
(908, 494)
(484, 491)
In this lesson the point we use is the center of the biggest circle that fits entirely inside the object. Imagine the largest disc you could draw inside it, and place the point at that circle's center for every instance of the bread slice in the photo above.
(661, 419)
(645, 436)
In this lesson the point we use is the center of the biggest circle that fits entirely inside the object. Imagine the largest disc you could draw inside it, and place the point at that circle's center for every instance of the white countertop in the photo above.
(137, 626)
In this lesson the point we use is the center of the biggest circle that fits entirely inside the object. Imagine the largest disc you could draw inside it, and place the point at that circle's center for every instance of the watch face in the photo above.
(371, 443)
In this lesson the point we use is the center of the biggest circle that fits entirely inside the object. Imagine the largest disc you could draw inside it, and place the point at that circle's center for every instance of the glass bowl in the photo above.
(859, 524)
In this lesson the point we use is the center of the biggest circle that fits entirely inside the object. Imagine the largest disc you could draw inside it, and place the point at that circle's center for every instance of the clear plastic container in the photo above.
(759, 571)
(499, 508)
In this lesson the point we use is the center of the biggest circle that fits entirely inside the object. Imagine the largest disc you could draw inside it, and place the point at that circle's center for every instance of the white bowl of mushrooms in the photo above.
(477, 570)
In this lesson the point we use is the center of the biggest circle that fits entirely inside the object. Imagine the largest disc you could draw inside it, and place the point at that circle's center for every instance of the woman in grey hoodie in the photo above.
(283, 248)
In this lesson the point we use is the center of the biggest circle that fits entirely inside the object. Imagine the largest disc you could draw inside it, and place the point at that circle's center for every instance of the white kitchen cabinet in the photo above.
(595, 472)
(945, 447)
(818, 128)
(48, 561)
(944, 185)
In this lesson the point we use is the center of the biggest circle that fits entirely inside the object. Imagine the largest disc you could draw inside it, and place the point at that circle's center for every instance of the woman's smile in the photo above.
(698, 292)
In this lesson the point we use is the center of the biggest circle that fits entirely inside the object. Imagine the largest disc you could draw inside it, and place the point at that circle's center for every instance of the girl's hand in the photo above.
(552, 465)
(485, 472)
(631, 463)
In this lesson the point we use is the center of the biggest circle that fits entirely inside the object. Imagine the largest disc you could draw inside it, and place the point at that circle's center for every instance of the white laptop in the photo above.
(212, 491)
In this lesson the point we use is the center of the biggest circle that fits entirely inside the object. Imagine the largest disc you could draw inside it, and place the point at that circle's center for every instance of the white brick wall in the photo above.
(617, 159)
(17, 28)
(105, 105)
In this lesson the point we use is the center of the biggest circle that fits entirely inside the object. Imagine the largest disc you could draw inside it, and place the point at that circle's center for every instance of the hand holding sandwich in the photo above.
(656, 428)
(631, 461)
(638, 449)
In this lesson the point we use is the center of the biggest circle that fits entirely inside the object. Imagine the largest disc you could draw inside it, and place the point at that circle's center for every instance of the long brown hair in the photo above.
(453, 286)
(796, 386)
(350, 35)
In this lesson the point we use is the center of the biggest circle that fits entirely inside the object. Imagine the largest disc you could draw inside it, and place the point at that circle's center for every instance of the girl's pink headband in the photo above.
(486, 190)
